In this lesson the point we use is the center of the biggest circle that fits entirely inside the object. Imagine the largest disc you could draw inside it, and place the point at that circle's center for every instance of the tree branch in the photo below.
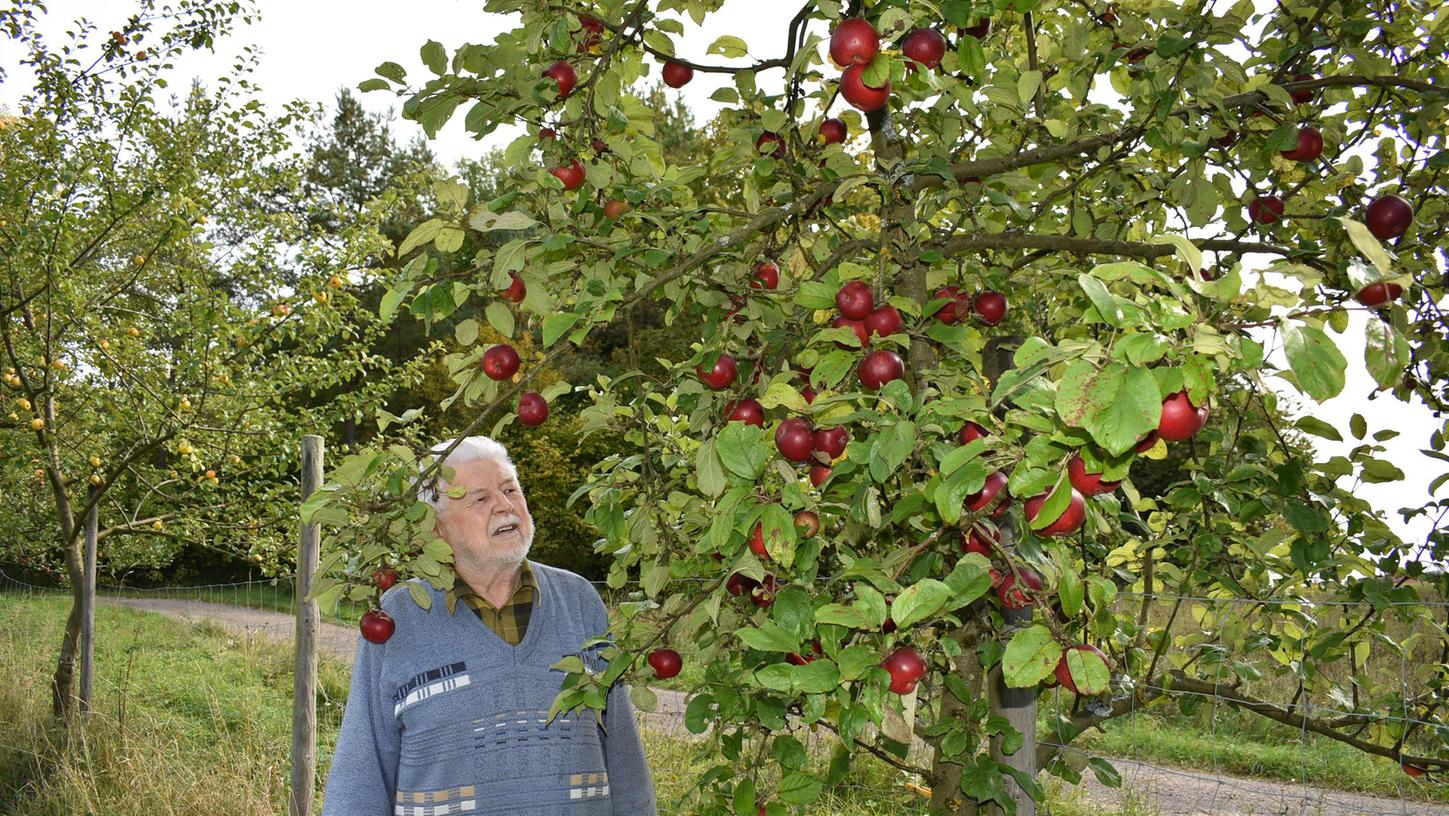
(1228, 694)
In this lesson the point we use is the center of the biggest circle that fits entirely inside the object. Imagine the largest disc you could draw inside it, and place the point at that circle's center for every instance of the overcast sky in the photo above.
(311, 49)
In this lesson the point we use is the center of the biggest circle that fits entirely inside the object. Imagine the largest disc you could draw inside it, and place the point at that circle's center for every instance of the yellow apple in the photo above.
(95, 461)
(37, 424)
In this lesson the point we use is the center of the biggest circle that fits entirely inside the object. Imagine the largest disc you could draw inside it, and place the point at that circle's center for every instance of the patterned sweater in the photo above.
(447, 718)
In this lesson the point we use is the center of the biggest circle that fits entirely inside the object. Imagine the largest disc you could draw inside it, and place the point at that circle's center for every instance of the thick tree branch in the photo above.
(1230, 695)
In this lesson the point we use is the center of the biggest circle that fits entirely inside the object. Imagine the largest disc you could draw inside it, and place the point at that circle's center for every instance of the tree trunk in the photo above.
(62, 695)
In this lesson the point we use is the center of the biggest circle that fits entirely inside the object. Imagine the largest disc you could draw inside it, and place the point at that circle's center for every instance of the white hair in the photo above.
(470, 449)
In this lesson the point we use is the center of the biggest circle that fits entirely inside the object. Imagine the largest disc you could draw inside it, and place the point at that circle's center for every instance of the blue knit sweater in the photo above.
(448, 718)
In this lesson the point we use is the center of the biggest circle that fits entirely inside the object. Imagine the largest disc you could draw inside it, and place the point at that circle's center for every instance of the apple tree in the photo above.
(956, 266)
(160, 326)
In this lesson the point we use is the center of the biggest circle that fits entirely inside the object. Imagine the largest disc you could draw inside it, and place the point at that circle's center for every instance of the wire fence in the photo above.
(1186, 753)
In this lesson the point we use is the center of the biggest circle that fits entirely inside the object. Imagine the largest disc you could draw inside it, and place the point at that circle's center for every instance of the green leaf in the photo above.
(1089, 671)
(1056, 503)
(709, 472)
(1317, 427)
(374, 84)
(1105, 772)
(919, 601)
(509, 258)
(969, 580)
(841, 615)
(768, 638)
(556, 325)
(422, 234)
(819, 676)
(466, 332)
(742, 450)
(799, 788)
(485, 220)
(1367, 245)
(1315, 359)
(776, 676)
(392, 71)
(435, 57)
(1071, 593)
(500, 317)
(1186, 250)
(421, 596)
(1030, 657)
(891, 449)
(1386, 353)
(1117, 405)
(729, 47)
(856, 660)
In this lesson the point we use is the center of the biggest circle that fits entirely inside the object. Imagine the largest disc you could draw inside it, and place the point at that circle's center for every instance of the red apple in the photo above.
(988, 494)
(591, 32)
(1014, 596)
(818, 475)
(1415, 771)
(981, 539)
(571, 174)
(833, 131)
(906, 668)
(1389, 217)
(970, 432)
(763, 593)
(1378, 293)
(614, 208)
(926, 46)
(547, 134)
(722, 375)
(1180, 418)
(767, 276)
(1302, 95)
(953, 311)
(990, 307)
(376, 626)
(677, 74)
(384, 578)
(1089, 484)
(666, 663)
(1310, 145)
(1064, 674)
(500, 362)
(566, 77)
(879, 368)
(795, 659)
(885, 320)
(795, 439)
(740, 584)
(832, 441)
(978, 28)
(1067, 523)
(600, 146)
(861, 96)
(532, 409)
(515, 291)
(757, 543)
(857, 326)
(767, 139)
(748, 411)
(854, 42)
(807, 523)
(1265, 209)
(1226, 140)
(854, 300)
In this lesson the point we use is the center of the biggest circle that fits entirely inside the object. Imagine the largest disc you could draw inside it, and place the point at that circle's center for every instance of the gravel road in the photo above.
(1166, 791)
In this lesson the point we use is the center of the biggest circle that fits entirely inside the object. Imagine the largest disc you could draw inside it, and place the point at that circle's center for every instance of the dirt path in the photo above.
(1164, 791)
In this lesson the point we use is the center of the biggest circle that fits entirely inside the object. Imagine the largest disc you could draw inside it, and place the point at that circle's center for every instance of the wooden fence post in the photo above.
(88, 606)
(304, 699)
(1018, 706)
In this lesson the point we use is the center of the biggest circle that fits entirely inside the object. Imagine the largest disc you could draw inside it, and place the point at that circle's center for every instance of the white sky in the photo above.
(310, 49)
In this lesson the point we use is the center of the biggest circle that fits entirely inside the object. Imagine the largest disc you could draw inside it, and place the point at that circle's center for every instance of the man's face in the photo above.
(489, 525)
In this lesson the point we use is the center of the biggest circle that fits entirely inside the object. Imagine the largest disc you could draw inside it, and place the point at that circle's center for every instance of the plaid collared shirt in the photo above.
(511, 620)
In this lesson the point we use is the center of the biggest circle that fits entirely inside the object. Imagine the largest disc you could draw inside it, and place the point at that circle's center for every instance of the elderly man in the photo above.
(449, 715)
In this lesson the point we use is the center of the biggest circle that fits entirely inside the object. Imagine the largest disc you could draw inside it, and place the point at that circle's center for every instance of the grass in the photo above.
(191, 719)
